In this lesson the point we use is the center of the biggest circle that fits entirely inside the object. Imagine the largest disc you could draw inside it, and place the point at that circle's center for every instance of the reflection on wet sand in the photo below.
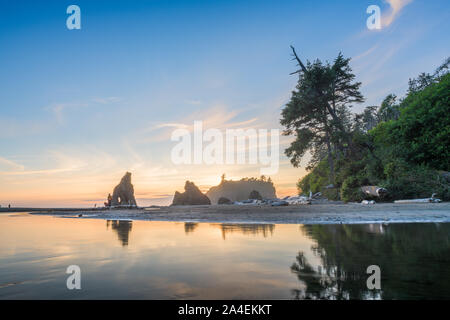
(189, 227)
(227, 228)
(247, 229)
(162, 262)
(411, 263)
(122, 228)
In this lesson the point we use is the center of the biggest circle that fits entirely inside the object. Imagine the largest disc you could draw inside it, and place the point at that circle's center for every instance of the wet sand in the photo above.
(294, 214)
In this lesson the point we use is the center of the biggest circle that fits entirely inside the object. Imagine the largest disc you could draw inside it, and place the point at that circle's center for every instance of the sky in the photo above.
(79, 108)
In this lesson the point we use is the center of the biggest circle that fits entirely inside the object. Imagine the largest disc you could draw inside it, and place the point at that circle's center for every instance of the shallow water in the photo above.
(168, 260)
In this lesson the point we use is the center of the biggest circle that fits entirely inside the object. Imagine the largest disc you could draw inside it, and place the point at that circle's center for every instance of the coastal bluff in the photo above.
(241, 189)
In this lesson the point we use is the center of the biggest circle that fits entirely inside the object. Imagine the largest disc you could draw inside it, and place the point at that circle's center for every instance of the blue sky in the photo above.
(80, 107)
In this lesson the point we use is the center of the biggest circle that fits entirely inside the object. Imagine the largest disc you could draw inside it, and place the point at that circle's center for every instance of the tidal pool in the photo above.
(169, 260)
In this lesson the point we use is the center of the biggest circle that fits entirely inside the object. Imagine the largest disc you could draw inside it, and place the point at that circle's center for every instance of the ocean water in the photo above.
(170, 260)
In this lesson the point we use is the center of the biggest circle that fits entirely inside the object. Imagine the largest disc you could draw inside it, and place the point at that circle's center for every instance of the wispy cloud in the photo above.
(14, 127)
(365, 53)
(61, 161)
(106, 100)
(58, 109)
(170, 125)
(396, 7)
(194, 102)
(10, 165)
(218, 117)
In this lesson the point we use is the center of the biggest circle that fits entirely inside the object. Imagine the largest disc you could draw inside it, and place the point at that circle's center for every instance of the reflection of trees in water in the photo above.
(122, 228)
(189, 227)
(248, 229)
(413, 258)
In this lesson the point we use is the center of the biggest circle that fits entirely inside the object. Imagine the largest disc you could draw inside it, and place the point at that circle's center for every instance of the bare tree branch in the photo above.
(300, 63)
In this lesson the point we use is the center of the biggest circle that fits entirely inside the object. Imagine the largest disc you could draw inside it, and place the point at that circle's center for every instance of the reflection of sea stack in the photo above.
(123, 194)
(191, 196)
(123, 229)
(254, 229)
(189, 227)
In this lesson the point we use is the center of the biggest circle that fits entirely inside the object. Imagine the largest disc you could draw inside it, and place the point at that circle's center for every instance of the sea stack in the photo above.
(123, 194)
(255, 195)
(191, 196)
(241, 190)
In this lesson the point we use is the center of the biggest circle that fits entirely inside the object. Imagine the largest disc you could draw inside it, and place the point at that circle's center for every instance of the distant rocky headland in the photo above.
(200, 208)
(242, 189)
(227, 192)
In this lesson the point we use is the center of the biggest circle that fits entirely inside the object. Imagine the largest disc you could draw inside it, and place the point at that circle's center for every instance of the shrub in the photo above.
(421, 135)
(331, 194)
(315, 180)
(409, 182)
(351, 189)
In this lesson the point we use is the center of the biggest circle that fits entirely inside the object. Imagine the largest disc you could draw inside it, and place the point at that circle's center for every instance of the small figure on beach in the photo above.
(108, 202)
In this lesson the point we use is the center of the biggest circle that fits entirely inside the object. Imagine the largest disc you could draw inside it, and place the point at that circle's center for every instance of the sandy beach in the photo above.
(295, 214)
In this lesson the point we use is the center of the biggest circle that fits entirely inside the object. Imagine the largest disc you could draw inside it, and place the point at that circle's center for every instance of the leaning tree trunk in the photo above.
(330, 157)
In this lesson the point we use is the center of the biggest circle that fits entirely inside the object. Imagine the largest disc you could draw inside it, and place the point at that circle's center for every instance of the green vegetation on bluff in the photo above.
(243, 189)
(403, 145)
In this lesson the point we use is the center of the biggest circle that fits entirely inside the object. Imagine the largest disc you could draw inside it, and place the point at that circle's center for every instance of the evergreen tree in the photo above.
(317, 113)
